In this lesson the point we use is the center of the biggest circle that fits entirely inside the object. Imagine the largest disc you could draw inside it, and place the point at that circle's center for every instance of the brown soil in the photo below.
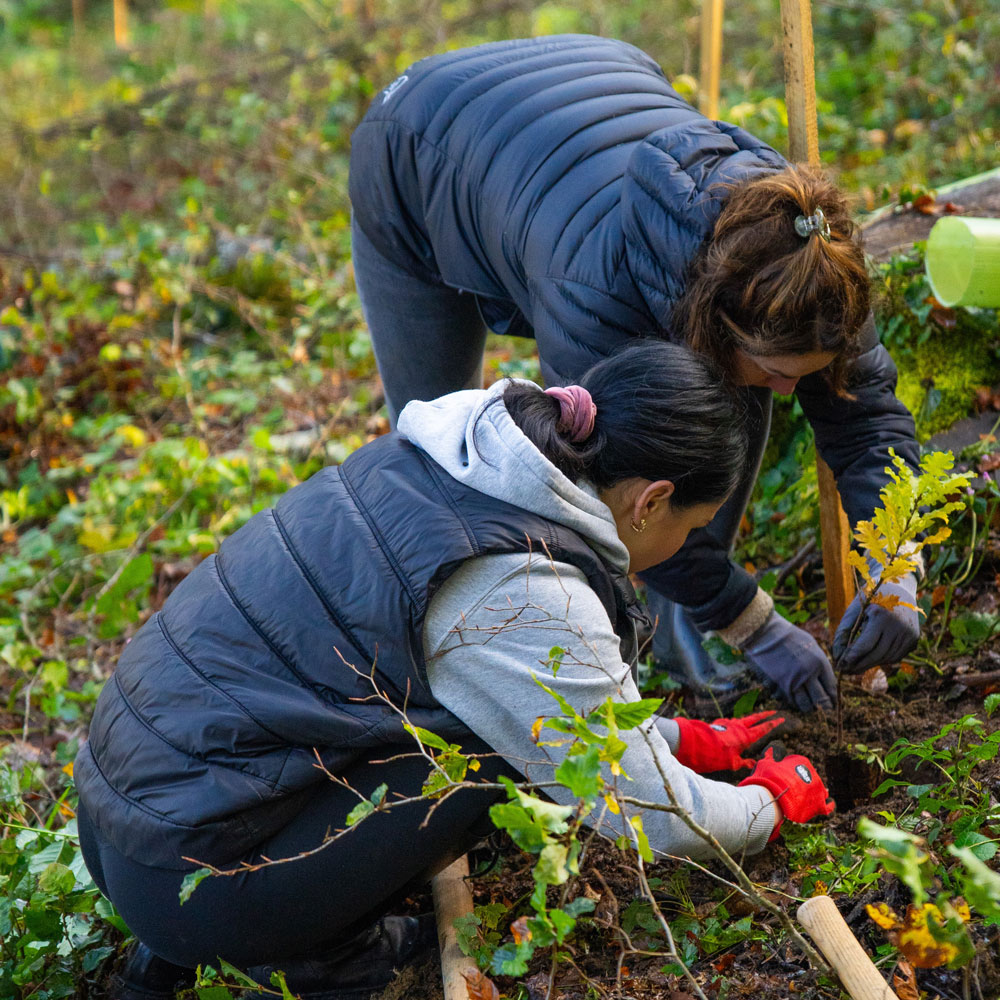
(770, 968)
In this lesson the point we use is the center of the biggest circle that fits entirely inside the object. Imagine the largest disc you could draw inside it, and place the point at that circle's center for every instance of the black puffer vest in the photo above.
(203, 741)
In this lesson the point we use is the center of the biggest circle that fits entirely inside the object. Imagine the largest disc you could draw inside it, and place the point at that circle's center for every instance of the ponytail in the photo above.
(663, 412)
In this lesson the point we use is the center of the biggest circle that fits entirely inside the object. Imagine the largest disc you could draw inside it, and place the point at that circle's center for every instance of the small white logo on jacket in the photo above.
(393, 87)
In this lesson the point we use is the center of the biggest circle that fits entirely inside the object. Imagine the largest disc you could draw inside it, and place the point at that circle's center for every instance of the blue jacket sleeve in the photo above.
(854, 435)
(703, 579)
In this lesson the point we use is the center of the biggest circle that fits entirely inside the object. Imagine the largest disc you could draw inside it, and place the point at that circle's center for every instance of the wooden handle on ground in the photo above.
(821, 918)
(452, 898)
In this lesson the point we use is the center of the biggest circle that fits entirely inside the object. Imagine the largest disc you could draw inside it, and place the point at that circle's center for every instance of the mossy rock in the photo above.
(943, 355)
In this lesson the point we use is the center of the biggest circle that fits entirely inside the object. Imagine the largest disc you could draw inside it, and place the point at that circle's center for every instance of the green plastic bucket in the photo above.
(963, 261)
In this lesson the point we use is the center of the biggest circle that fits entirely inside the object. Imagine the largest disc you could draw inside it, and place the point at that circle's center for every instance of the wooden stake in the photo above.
(821, 918)
(121, 24)
(452, 898)
(803, 147)
(711, 57)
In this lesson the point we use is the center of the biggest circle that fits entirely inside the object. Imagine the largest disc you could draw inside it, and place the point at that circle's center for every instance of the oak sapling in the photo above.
(916, 508)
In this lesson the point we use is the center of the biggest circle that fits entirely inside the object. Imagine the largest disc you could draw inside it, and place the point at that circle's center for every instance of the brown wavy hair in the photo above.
(757, 286)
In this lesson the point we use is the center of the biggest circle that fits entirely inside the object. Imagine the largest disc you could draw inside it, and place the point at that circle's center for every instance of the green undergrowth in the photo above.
(181, 342)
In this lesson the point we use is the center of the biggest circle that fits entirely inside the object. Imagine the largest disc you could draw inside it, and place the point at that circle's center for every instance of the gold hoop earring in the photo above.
(640, 527)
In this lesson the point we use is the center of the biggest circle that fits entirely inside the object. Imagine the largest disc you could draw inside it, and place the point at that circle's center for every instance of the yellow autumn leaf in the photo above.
(859, 562)
(135, 436)
(96, 537)
(884, 916)
(536, 728)
(887, 601)
(920, 948)
(612, 803)
(474, 764)
(899, 567)
(942, 534)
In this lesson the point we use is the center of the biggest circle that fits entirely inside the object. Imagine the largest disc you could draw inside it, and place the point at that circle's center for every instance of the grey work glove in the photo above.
(794, 662)
(885, 635)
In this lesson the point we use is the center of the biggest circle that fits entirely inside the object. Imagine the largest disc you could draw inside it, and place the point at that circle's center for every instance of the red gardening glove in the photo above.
(717, 746)
(793, 781)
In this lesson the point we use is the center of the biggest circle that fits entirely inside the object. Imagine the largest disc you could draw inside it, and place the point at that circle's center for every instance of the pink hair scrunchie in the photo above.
(577, 411)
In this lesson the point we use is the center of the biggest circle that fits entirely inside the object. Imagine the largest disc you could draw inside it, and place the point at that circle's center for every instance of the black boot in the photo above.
(145, 976)
(356, 968)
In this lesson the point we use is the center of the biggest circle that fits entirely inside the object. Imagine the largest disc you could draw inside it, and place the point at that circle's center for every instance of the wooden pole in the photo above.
(711, 57)
(121, 24)
(77, 18)
(453, 898)
(821, 918)
(803, 147)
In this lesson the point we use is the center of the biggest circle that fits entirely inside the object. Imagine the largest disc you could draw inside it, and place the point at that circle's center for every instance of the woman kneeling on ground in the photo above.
(442, 562)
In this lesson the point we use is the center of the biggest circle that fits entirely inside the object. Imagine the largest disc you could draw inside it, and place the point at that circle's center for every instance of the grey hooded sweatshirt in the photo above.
(489, 630)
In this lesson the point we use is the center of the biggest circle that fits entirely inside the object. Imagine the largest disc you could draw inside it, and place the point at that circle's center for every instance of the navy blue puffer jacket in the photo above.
(568, 186)
(204, 740)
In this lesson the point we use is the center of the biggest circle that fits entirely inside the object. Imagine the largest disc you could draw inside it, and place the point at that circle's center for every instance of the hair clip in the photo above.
(806, 225)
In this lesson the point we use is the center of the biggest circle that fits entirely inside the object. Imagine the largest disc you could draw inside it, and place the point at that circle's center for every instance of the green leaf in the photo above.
(630, 714)
(579, 906)
(642, 841)
(511, 959)
(980, 885)
(278, 979)
(982, 847)
(902, 854)
(745, 704)
(426, 737)
(213, 993)
(57, 879)
(563, 923)
(519, 824)
(581, 773)
(95, 956)
(359, 812)
(550, 815)
(240, 977)
(551, 866)
(191, 882)
(991, 703)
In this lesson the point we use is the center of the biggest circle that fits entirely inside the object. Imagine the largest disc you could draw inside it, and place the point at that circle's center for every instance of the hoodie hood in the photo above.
(480, 446)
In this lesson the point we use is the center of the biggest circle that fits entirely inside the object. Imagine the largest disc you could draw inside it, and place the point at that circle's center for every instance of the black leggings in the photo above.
(294, 910)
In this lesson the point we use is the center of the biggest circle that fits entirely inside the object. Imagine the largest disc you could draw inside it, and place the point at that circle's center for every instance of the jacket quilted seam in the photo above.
(379, 540)
(308, 576)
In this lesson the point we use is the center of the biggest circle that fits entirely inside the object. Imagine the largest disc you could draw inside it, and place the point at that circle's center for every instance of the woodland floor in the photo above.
(754, 968)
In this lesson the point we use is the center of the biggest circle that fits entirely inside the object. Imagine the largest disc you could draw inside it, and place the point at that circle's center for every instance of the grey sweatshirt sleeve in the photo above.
(492, 625)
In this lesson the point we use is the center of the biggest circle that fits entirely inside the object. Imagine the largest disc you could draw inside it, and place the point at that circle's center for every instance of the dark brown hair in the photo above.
(663, 412)
(758, 286)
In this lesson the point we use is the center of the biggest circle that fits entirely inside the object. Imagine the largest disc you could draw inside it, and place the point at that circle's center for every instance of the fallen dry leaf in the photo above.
(480, 986)
(520, 930)
(904, 982)
(912, 935)
(874, 681)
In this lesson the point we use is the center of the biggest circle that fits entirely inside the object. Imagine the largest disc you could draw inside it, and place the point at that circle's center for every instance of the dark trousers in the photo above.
(428, 340)
(298, 909)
